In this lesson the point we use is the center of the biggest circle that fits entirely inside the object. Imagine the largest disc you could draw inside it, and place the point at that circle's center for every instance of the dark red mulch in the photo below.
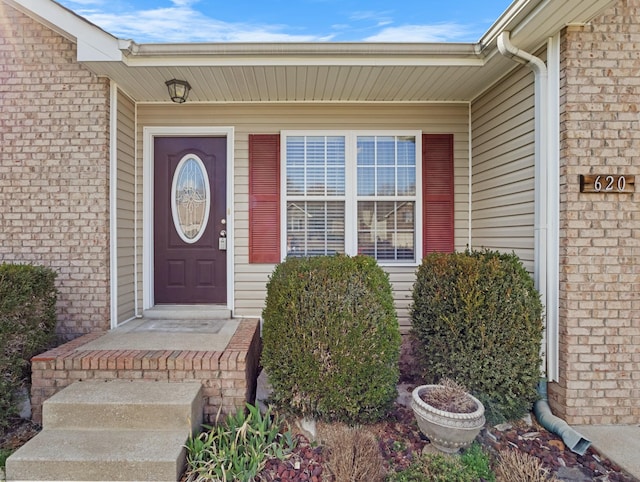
(17, 433)
(305, 464)
(400, 441)
(554, 455)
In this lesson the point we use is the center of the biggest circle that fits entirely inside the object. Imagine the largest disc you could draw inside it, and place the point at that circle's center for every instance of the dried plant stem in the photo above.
(354, 454)
(517, 466)
(449, 396)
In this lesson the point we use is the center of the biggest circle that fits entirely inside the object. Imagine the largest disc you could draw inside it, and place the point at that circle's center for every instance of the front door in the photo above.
(190, 263)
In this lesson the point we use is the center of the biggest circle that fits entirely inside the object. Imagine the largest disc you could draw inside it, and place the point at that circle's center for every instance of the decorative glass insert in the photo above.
(190, 198)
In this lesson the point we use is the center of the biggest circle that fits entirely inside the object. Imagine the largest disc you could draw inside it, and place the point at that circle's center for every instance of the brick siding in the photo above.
(228, 378)
(54, 169)
(599, 233)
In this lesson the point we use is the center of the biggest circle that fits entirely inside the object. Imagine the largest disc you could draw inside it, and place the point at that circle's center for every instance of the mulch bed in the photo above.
(400, 441)
(17, 433)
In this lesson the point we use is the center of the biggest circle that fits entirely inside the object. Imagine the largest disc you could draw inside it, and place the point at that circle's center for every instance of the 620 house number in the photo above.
(606, 183)
(609, 182)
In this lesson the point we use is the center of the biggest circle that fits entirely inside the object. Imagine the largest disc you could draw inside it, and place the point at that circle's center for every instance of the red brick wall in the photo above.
(600, 233)
(228, 378)
(54, 169)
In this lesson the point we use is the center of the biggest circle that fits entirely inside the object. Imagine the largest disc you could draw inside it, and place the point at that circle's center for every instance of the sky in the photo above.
(148, 21)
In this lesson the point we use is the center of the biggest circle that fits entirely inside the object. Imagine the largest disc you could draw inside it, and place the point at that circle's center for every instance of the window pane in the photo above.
(386, 181)
(335, 181)
(315, 166)
(366, 181)
(406, 181)
(295, 151)
(386, 229)
(316, 151)
(386, 153)
(316, 181)
(366, 150)
(407, 151)
(385, 168)
(335, 151)
(295, 180)
(315, 228)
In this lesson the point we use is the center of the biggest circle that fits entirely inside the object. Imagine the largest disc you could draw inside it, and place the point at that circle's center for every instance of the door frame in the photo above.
(149, 134)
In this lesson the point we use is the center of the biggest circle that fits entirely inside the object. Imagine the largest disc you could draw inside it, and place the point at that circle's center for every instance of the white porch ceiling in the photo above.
(321, 72)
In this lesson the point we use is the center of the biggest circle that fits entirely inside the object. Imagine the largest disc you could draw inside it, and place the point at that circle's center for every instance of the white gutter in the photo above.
(544, 185)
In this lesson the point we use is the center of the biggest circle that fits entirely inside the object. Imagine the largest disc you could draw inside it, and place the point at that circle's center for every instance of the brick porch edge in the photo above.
(228, 377)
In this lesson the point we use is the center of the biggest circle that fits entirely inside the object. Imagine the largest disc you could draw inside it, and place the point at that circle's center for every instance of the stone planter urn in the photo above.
(447, 431)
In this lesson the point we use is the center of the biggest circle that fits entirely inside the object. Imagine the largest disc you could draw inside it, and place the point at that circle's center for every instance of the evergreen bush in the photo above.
(478, 319)
(331, 340)
(27, 326)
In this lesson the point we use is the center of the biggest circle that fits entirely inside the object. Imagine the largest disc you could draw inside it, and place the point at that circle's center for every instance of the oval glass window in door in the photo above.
(190, 198)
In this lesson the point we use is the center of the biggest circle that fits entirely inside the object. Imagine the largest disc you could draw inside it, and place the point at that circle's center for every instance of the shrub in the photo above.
(472, 466)
(476, 460)
(331, 339)
(478, 319)
(27, 326)
(238, 448)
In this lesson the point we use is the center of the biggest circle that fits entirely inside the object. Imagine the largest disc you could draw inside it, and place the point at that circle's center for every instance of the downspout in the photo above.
(575, 441)
(572, 439)
(539, 68)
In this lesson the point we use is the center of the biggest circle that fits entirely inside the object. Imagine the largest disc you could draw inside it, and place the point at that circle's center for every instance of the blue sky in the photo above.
(292, 20)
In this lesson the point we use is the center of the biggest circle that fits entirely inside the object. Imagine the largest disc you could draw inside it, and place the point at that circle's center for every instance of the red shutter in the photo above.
(264, 198)
(437, 193)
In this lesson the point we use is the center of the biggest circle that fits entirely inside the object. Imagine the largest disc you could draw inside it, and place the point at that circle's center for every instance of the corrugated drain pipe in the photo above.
(575, 441)
(572, 439)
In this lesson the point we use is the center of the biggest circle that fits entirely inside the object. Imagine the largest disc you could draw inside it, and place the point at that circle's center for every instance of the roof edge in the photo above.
(306, 48)
(93, 43)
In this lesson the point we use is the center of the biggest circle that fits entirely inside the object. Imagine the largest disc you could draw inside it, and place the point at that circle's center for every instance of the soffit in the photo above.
(333, 72)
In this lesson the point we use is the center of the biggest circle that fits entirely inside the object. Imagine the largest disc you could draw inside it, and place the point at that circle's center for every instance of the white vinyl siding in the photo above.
(125, 208)
(251, 279)
(503, 167)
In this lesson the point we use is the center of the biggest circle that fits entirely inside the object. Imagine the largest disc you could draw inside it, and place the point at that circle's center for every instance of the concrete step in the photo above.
(188, 312)
(121, 404)
(108, 455)
(111, 431)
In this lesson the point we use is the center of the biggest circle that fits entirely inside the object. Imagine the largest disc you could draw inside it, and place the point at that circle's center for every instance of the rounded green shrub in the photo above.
(27, 326)
(478, 319)
(331, 340)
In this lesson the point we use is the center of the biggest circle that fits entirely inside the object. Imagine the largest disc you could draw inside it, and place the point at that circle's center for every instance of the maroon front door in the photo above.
(190, 262)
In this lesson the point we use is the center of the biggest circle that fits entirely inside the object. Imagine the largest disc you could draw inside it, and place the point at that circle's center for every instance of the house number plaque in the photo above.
(613, 183)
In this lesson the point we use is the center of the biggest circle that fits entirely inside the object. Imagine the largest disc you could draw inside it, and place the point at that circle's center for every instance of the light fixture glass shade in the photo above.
(178, 90)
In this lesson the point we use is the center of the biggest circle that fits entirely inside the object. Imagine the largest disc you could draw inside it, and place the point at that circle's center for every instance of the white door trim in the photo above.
(149, 133)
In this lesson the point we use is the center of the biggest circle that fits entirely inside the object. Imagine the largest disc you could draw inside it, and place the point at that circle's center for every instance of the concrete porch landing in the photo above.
(222, 354)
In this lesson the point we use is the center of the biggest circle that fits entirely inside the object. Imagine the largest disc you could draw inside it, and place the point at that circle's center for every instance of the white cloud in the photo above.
(179, 23)
(443, 32)
(370, 15)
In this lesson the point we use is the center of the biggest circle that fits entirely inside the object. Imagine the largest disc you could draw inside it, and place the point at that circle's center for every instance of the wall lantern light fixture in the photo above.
(178, 90)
